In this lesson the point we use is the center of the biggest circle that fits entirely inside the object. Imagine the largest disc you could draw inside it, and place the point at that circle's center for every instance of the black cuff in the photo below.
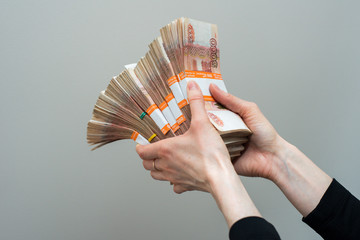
(253, 228)
(332, 199)
(337, 214)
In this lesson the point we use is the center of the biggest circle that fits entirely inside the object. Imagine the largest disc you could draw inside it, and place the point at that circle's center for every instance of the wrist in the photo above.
(299, 178)
(224, 179)
(283, 152)
(231, 196)
(220, 176)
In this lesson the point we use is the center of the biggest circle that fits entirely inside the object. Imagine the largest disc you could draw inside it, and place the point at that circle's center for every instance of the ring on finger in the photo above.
(154, 166)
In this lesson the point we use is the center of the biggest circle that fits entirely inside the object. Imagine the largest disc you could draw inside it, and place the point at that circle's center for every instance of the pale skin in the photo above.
(198, 160)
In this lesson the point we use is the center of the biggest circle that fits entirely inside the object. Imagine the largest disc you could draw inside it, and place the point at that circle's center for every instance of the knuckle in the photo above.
(195, 123)
(198, 132)
(160, 165)
(195, 131)
(174, 178)
(141, 153)
(195, 98)
(253, 105)
(200, 122)
(164, 150)
(153, 174)
(230, 96)
(163, 165)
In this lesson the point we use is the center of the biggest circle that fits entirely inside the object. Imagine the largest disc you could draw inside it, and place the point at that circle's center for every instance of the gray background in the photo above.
(299, 60)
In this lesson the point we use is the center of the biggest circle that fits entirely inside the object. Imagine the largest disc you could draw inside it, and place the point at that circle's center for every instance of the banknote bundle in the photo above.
(148, 102)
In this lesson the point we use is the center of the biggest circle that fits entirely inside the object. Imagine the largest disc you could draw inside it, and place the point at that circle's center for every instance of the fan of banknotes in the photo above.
(147, 101)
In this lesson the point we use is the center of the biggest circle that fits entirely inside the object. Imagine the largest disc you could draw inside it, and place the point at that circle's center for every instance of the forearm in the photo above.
(302, 182)
(232, 197)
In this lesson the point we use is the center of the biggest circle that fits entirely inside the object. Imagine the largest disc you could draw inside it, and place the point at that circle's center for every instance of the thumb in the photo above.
(231, 102)
(197, 104)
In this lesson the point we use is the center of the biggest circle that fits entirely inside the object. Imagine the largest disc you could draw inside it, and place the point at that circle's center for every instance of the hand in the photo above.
(190, 161)
(270, 156)
(259, 158)
(199, 160)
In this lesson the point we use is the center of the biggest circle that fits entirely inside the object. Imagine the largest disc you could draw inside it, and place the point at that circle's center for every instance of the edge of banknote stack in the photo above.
(148, 102)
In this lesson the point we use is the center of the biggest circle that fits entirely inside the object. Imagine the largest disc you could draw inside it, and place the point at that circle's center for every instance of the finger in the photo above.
(149, 151)
(197, 104)
(152, 165)
(148, 164)
(158, 175)
(179, 189)
(230, 101)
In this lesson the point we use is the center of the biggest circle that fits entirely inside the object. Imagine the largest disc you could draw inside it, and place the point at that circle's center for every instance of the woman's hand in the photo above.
(260, 157)
(199, 160)
(270, 156)
(190, 161)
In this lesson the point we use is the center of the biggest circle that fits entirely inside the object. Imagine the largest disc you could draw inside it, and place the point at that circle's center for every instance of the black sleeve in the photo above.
(253, 228)
(337, 216)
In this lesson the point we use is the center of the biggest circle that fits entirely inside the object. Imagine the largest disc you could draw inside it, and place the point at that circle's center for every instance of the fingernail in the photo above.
(192, 85)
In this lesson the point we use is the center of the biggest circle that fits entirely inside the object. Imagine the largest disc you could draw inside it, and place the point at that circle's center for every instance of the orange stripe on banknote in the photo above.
(201, 74)
(165, 129)
(134, 135)
(182, 103)
(181, 119)
(169, 97)
(172, 80)
(151, 109)
(163, 105)
(209, 98)
(181, 76)
(175, 127)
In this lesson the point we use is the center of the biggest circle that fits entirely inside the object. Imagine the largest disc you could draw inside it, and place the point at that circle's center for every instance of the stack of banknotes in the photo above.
(148, 102)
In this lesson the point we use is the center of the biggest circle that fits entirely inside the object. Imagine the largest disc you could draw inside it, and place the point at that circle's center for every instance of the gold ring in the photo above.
(155, 166)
